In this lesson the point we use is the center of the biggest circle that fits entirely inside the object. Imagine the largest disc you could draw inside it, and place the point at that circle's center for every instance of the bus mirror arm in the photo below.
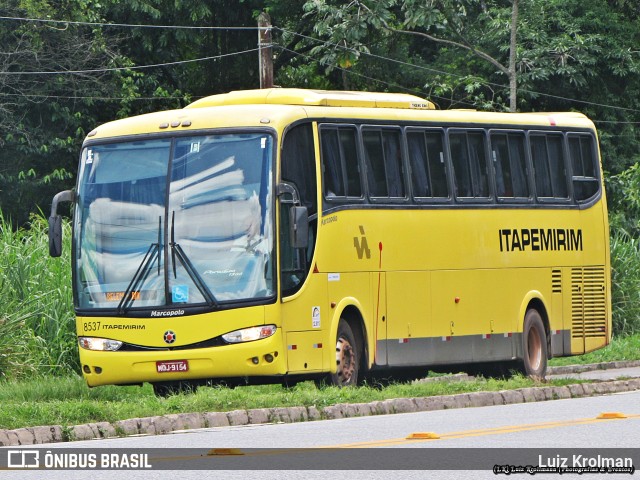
(284, 188)
(55, 222)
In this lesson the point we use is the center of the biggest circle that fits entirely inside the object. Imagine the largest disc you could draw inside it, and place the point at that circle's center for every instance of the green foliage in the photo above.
(45, 116)
(624, 201)
(37, 326)
(625, 279)
(452, 51)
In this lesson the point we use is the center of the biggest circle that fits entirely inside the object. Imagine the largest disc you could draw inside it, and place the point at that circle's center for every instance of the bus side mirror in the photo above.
(55, 222)
(55, 236)
(299, 226)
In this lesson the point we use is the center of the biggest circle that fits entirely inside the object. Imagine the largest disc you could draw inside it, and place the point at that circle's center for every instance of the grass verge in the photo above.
(621, 348)
(67, 401)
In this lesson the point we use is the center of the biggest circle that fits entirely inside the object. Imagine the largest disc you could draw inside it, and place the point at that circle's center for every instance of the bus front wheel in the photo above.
(347, 357)
(534, 343)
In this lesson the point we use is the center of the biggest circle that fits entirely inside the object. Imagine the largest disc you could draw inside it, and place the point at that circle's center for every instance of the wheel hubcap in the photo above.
(345, 360)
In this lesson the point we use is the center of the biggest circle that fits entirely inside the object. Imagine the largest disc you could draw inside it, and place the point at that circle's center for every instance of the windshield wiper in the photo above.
(153, 254)
(176, 251)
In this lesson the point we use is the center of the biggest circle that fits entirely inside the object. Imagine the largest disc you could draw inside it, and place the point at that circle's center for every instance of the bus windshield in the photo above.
(175, 222)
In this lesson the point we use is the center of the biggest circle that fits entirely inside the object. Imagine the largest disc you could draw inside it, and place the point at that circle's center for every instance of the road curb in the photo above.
(160, 425)
(588, 367)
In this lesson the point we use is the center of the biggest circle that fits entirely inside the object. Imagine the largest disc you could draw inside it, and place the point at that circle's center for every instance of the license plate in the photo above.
(172, 366)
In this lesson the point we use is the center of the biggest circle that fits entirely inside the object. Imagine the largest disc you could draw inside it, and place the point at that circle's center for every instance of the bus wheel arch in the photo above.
(535, 340)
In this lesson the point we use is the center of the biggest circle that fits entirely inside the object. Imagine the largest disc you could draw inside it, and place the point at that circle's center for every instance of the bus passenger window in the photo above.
(340, 162)
(383, 156)
(393, 162)
(375, 164)
(585, 167)
(426, 156)
(558, 169)
(549, 166)
(350, 159)
(469, 164)
(418, 159)
(478, 164)
(460, 160)
(507, 150)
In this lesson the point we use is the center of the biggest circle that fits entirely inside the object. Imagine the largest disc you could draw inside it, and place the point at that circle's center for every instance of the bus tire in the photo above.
(534, 346)
(347, 357)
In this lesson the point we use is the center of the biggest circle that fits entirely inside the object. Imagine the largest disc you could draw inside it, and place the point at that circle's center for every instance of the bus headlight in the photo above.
(249, 334)
(104, 344)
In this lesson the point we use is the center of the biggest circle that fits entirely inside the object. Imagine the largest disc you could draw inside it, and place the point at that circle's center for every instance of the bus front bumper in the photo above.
(258, 358)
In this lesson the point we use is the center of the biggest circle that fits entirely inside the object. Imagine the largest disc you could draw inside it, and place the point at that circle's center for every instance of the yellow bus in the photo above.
(284, 234)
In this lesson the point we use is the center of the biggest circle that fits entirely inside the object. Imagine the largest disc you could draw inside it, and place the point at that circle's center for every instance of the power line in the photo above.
(372, 55)
(383, 82)
(99, 98)
(138, 67)
(126, 25)
(440, 72)
(618, 122)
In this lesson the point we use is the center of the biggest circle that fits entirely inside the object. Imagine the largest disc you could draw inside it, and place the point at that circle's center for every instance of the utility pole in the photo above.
(513, 44)
(266, 55)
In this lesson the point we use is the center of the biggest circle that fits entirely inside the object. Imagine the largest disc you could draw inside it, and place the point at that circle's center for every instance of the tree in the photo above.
(556, 39)
(571, 54)
(44, 107)
(445, 22)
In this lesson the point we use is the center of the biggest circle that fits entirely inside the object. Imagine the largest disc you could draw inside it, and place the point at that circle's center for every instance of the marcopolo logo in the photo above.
(169, 336)
(167, 313)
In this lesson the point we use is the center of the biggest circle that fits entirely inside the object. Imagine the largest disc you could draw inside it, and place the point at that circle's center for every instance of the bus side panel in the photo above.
(483, 308)
(304, 352)
(306, 319)
(408, 318)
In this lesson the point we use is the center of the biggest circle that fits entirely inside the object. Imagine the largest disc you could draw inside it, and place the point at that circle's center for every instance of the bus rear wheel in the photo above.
(347, 357)
(534, 346)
